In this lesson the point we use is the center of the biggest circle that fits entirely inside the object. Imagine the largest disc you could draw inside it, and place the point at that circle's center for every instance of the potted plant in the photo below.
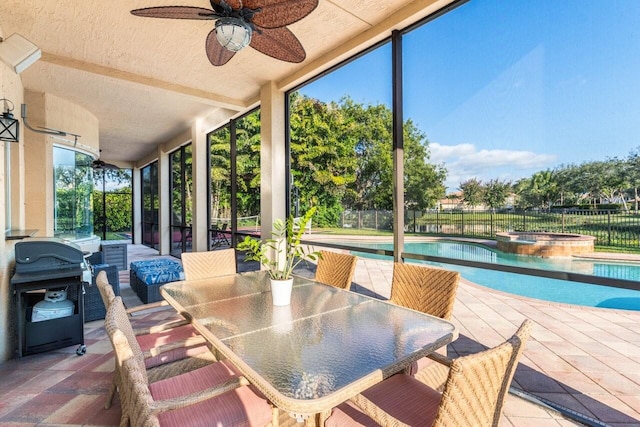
(281, 254)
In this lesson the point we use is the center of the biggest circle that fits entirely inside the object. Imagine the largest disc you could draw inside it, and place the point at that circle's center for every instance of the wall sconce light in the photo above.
(9, 127)
(18, 52)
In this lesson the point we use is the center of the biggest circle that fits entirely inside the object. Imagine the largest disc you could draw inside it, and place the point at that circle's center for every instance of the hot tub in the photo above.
(544, 244)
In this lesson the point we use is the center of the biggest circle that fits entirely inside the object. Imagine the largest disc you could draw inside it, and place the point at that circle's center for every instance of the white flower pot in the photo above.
(281, 291)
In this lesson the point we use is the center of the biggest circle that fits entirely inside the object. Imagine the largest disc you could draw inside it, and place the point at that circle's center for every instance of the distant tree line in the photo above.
(587, 185)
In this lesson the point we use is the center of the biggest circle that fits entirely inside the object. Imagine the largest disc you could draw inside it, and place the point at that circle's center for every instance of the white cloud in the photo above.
(465, 161)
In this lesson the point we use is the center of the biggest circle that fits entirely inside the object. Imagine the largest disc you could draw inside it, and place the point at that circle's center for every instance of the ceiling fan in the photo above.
(260, 24)
(102, 165)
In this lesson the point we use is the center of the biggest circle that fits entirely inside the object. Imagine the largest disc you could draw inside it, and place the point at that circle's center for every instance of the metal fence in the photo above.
(610, 228)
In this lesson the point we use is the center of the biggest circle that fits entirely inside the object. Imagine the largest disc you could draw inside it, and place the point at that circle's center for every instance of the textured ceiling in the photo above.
(147, 79)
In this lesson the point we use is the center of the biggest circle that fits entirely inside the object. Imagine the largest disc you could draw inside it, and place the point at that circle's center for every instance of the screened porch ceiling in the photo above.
(147, 79)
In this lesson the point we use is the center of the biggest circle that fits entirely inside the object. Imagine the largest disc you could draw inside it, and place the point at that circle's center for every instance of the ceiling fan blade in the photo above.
(176, 12)
(234, 4)
(217, 54)
(279, 43)
(279, 13)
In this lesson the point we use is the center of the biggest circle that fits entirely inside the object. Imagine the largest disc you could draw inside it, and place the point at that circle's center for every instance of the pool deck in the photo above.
(584, 359)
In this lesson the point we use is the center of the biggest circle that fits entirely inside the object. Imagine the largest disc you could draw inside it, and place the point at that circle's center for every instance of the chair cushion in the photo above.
(238, 407)
(156, 339)
(401, 396)
(348, 415)
(152, 272)
(151, 263)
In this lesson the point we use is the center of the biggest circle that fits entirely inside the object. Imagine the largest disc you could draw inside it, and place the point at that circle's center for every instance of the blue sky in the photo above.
(503, 89)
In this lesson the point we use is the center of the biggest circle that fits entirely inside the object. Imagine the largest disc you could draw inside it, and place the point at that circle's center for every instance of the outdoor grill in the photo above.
(46, 271)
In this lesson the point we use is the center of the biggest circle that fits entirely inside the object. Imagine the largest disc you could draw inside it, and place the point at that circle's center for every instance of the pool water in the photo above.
(530, 286)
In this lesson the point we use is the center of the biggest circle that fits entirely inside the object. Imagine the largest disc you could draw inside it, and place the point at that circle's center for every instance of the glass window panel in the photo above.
(181, 199)
(177, 214)
(341, 150)
(113, 203)
(220, 185)
(248, 173)
(73, 187)
(534, 121)
(150, 235)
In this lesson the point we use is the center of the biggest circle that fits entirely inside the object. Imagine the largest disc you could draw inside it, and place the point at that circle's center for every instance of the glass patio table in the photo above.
(325, 347)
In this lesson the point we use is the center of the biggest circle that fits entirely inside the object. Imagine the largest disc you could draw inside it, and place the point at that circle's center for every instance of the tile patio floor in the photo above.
(584, 359)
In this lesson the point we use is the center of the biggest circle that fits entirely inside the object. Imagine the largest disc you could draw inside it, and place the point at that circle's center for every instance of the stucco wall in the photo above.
(56, 113)
(10, 88)
(31, 178)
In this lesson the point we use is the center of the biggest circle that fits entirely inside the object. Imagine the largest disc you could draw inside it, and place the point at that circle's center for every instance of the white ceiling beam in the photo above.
(198, 95)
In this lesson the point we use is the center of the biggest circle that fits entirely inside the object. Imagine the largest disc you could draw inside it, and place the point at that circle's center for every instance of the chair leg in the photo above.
(112, 393)
(114, 387)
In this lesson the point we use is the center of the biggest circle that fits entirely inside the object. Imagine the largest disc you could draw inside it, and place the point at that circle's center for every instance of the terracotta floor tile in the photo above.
(77, 363)
(38, 408)
(534, 422)
(578, 382)
(84, 383)
(614, 382)
(41, 381)
(10, 401)
(13, 378)
(567, 401)
(587, 363)
(86, 409)
(12, 424)
(515, 407)
(534, 381)
(36, 362)
(611, 409)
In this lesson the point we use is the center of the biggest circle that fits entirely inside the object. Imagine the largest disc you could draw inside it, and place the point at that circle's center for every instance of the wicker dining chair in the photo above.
(212, 395)
(427, 289)
(136, 313)
(432, 291)
(165, 347)
(203, 265)
(336, 269)
(474, 393)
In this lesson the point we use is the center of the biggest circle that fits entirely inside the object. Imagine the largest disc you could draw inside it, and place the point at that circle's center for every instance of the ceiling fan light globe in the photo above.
(233, 34)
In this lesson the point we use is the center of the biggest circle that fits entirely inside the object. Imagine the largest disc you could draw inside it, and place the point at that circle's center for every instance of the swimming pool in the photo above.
(530, 286)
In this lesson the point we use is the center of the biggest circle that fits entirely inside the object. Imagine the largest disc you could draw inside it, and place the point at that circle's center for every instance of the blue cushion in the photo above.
(149, 263)
(152, 272)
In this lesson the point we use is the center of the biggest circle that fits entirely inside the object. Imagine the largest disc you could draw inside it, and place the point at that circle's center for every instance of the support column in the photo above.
(398, 149)
(273, 158)
(164, 201)
(136, 177)
(200, 178)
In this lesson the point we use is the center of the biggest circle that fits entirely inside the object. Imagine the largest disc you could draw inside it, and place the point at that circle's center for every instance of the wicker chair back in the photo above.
(336, 269)
(426, 289)
(106, 291)
(118, 320)
(478, 383)
(203, 265)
